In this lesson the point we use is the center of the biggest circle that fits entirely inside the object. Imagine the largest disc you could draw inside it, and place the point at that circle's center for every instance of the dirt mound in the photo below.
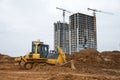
(6, 62)
(93, 58)
(87, 55)
(111, 58)
(5, 58)
(87, 58)
(68, 57)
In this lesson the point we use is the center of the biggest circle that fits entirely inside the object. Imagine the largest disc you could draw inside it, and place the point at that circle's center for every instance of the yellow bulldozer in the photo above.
(40, 54)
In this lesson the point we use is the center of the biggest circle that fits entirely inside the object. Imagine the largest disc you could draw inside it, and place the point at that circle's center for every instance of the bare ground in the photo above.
(90, 65)
(13, 72)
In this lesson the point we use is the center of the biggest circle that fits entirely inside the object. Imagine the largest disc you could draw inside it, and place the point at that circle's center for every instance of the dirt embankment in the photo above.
(111, 58)
(5, 58)
(6, 62)
(94, 58)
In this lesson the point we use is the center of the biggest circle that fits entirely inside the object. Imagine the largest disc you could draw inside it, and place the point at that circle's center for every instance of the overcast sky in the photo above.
(24, 21)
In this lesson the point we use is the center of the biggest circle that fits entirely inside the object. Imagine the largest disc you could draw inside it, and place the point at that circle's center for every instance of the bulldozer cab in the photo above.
(40, 48)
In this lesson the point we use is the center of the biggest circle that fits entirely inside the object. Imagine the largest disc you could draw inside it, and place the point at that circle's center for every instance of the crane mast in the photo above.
(63, 29)
(64, 10)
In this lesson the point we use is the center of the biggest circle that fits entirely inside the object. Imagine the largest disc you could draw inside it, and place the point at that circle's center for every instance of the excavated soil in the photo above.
(90, 65)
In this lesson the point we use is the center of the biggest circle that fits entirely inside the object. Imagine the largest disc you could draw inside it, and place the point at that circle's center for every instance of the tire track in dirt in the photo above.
(23, 75)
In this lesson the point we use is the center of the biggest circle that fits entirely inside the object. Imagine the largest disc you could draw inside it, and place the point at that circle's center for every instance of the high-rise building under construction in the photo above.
(82, 32)
(61, 35)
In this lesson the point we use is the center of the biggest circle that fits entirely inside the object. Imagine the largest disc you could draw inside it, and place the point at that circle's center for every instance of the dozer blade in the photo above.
(71, 62)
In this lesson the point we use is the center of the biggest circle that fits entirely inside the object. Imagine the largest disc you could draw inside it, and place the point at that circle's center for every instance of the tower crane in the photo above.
(95, 10)
(64, 10)
(94, 14)
(64, 32)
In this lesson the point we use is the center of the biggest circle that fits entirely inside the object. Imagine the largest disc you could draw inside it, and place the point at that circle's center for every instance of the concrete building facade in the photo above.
(82, 32)
(61, 36)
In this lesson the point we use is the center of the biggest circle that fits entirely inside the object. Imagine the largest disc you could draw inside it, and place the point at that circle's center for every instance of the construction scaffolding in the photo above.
(83, 32)
(61, 36)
